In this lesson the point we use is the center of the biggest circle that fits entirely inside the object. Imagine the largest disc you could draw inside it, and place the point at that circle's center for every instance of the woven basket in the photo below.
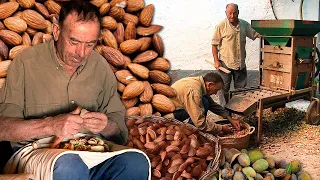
(241, 142)
(213, 166)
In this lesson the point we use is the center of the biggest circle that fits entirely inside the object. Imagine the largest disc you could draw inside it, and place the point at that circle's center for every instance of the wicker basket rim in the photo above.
(250, 129)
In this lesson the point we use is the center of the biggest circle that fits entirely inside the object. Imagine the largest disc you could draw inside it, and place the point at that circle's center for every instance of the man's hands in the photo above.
(236, 124)
(67, 125)
(95, 121)
(217, 64)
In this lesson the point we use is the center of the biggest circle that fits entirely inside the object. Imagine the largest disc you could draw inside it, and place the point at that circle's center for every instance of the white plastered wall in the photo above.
(189, 25)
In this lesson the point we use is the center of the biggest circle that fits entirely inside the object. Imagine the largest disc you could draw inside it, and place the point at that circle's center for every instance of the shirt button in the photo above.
(72, 102)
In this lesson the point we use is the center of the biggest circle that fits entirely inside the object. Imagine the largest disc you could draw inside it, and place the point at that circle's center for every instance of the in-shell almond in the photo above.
(109, 23)
(139, 70)
(134, 5)
(117, 13)
(16, 50)
(98, 48)
(147, 31)
(104, 9)
(119, 33)
(158, 44)
(133, 89)
(31, 31)
(159, 77)
(145, 109)
(120, 87)
(146, 15)
(4, 51)
(164, 89)
(130, 18)
(34, 19)
(98, 3)
(7, 9)
(113, 56)
(147, 94)
(162, 104)
(4, 65)
(125, 76)
(37, 38)
(26, 3)
(109, 39)
(128, 103)
(130, 31)
(2, 26)
(10, 37)
(46, 37)
(15, 24)
(133, 111)
(130, 46)
(160, 64)
(42, 9)
(145, 56)
(145, 43)
(53, 7)
(128, 61)
(119, 3)
(17, 14)
(49, 28)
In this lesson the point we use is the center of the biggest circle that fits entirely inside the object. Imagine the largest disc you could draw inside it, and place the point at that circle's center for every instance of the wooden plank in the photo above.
(287, 70)
(277, 61)
(276, 49)
(274, 79)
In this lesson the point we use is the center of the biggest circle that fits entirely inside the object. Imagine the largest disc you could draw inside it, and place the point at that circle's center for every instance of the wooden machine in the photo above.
(286, 72)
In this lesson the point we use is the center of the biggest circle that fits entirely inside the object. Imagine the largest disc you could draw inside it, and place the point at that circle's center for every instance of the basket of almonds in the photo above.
(175, 149)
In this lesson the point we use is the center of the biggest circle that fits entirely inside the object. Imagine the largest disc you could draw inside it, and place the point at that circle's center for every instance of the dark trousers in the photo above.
(129, 166)
(182, 114)
(239, 79)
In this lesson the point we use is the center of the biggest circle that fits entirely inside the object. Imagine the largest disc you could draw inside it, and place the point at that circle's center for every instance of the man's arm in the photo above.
(215, 52)
(251, 33)
(112, 106)
(216, 40)
(17, 129)
(217, 109)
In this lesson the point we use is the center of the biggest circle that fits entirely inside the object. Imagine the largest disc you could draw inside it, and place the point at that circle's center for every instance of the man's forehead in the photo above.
(73, 18)
(231, 7)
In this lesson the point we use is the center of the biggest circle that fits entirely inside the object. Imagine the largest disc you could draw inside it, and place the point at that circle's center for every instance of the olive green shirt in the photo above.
(232, 42)
(190, 91)
(37, 86)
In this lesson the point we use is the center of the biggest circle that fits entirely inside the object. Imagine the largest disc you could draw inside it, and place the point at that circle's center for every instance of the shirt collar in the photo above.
(203, 86)
(58, 65)
(236, 27)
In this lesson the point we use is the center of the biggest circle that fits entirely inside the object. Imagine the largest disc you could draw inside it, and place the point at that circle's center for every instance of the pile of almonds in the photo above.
(129, 42)
(175, 152)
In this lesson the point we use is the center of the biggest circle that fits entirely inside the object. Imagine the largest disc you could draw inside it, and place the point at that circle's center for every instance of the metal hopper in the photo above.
(285, 28)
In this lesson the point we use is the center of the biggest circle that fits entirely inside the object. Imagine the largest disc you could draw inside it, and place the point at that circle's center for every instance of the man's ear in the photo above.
(56, 31)
(209, 84)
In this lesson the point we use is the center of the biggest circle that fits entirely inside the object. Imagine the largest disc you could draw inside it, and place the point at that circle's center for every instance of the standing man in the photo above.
(45, 83)
(193, 101)
(230, 35)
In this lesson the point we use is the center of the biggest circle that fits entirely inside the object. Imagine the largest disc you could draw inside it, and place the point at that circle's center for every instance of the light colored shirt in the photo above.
(232, 41)
(37, 86)
(190, 91)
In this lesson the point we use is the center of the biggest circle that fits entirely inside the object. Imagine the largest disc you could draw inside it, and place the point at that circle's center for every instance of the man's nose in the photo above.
(81, 49)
